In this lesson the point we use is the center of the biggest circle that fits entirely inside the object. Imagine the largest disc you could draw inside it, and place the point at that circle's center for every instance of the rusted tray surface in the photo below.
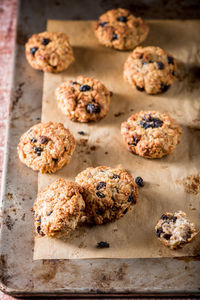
(18, 273)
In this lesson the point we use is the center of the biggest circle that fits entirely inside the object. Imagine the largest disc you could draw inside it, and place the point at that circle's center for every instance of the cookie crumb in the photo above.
(191, 184)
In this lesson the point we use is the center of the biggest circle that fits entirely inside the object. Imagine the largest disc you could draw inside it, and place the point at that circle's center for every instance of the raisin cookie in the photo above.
(46, 147)
(49, 51)
(58, 209)
(151, 134)
(175, 230)
(150, 69)
(83, 99)
(119, 29)
(108, 193)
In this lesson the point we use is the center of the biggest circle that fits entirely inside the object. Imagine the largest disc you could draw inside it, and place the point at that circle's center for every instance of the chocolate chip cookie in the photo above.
(49, 51)
(58, 209)
(119, 29)
(150, 69)
(108, 193)
(175, 230)
(83, 99)
(151, 134)
(46, 147)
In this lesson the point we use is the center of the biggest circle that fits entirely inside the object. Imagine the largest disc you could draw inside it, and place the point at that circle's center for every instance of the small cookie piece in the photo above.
(46, 147)
(175, 230)
(83, 99)
(151, 134)
(108, 193)
(119, 29)
(58, 209)
(150, 69)
(49, 51)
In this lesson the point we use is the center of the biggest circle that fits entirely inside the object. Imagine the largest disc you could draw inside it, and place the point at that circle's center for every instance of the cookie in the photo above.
(175, 230)
(58, 209)
(108, 193)
(119, 29)
(150, 69)
(46, 147)
(151, 134)
(49, 51)
(83, 99)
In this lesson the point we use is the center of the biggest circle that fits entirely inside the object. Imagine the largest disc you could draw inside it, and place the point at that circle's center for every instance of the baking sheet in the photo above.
(133, 235)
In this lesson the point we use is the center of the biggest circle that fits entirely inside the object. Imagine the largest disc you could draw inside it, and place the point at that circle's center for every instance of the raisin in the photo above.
(164, 87)
(55, 160)
(49, 213)
(84, 88)
(159, 231)
(170, 60)
(174, 219)
(125, 211)
(39, 231)
(81, 132)
(45, 41)
(122, 19)
(139, 181)
(167, 236)
(151, 122)
(33, 140)
(160, 65)
(90, 108)
(97, 109)
(172, 72)
(102, 24)
(101, 185)
(131, 198)
(114, 37)
(141, 89)
(38, 150)
(115, 176)
(103, 245)
(33, 50)
(74, 82)
(100, 195)
(82, 208)
(44, 139)
(111, 93)
(165, 217)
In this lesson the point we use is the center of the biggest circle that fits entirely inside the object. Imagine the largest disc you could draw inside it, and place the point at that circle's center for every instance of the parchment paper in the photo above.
(132, 236)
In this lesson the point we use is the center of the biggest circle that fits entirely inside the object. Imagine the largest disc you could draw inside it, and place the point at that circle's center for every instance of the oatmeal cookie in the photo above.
(58, 209)
(151, 134)
(150, 69)
(175, 230)
(83, 99)
(49, 51)
(108, 193)
(46, 147)
(119, 29)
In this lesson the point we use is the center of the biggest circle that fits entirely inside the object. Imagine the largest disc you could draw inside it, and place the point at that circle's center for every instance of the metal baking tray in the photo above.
(19, 274)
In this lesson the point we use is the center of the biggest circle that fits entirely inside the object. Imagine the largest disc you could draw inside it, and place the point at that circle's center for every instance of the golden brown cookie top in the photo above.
(58, 209)
(83, 99)
(118, 28)
(150, 69)
(108, 193)
(49, 51)
(46, 147)
(151, 134)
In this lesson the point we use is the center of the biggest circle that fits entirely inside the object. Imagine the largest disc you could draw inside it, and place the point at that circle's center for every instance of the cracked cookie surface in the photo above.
(46, 147)
(175, 230)
(58, 209)
(84, 99)
(108, 193)
(120, 29)
(150, 69)
(49, 51)
(151, 134)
